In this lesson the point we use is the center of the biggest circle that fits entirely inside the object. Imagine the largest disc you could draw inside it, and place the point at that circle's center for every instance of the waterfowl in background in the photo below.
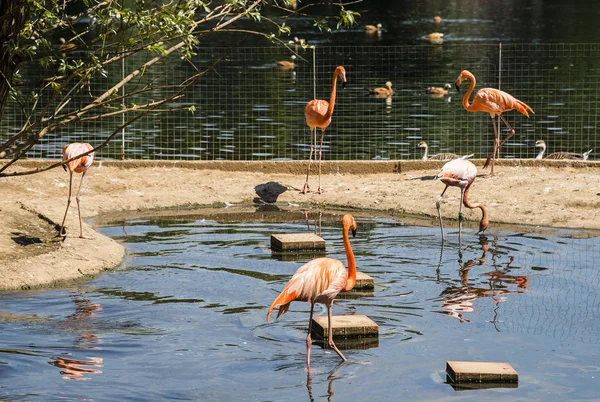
(560, 155)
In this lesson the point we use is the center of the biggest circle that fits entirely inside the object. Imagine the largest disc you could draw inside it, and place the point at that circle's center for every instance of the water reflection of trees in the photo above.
(458, 299)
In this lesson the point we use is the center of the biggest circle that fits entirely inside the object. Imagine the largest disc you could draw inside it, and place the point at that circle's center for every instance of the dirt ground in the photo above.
(541, 193)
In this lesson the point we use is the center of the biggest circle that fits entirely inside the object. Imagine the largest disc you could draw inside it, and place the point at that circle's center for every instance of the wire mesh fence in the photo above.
(247, 107)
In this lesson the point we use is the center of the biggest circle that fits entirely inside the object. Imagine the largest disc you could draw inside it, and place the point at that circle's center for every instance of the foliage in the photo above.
(74, 43)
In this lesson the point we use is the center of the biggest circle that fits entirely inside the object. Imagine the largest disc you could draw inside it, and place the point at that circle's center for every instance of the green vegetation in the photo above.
(72, 44)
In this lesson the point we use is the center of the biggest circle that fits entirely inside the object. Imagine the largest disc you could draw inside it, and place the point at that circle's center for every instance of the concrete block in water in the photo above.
(297, 241)
(460, 371)
(345, 326)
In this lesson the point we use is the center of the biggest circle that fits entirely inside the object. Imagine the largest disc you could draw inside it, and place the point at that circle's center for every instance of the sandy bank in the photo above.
(544, 193)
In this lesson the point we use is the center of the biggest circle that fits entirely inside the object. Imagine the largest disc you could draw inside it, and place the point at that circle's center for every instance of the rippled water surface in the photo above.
(185, 317)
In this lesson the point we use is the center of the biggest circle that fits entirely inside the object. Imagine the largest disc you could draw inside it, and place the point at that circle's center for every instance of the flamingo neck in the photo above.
(541, 154)
(332, 96)
(351, 281)
(465, 101)
(484, 215)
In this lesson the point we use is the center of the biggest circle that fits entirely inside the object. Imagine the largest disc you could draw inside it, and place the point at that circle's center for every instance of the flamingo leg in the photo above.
(330, 334)
(62, 232)
(493, 154)
(511, 131)
(308, 339)
(320, 190)
(460, 215)
(79, 209)
(437, 205)
(306, 189)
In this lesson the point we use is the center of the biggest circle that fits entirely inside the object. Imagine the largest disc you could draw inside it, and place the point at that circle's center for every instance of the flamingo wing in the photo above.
(318, 280)
(494, 101)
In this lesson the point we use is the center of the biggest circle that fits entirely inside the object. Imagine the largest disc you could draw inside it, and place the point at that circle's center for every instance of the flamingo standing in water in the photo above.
(79, 165)
(461, 173)
(319, 281)
(494, 102)
(318, 114)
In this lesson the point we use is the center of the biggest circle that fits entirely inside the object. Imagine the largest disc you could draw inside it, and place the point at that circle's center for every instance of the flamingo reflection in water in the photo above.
(81, 321)
(330, 377)
(75, 369)
(458, 300)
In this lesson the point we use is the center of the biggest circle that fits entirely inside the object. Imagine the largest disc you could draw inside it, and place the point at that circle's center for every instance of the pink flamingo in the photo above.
(318, 114)
(494, 102)
(79, 165)
(461, 173)
(319, 281)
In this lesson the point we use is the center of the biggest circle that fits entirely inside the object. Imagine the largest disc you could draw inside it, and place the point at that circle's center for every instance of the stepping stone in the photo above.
(363, 281)
(489, 372)
(298, 255)
(350, 343)
(345, 326)
(297, 241)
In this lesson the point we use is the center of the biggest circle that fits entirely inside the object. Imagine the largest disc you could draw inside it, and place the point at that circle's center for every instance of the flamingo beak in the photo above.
(343, 84)
(457, 85)
(64, 167)
(353, 232)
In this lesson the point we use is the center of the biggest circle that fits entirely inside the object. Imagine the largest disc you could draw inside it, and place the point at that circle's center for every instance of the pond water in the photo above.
(246, 108)
(185, 317)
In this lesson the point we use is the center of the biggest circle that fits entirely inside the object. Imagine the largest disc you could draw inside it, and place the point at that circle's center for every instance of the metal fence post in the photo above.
(123, 114)
(499, 87)
(314, 49)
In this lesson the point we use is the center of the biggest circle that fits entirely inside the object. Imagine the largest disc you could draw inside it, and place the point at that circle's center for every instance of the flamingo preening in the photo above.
(318, 114)
(79, 165)
(494, 102)
(461, 173)
(319, 281)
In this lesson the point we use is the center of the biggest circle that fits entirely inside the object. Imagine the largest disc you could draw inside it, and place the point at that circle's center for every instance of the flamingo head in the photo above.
(388, 84)
(464, 75)
(341, 72)
(483, 225)
(349, 223)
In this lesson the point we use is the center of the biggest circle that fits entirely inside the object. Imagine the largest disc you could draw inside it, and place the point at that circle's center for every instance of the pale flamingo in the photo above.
(318, 114)
(560, 155)
(381, 91)
(79, 165)
(461, 173)
(437, 19)
(319, 281)
(494, 102)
